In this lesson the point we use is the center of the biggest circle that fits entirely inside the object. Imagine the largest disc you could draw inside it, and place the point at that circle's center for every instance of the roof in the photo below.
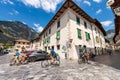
(74, 7)
(22, 40)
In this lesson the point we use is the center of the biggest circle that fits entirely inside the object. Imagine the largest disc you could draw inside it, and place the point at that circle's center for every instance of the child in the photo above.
(23, 59)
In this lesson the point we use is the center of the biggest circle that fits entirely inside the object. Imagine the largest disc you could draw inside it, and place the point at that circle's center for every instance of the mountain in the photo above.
(110, 34)
(13, 30)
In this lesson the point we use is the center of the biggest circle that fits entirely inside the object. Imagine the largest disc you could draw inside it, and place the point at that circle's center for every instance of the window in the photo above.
(78, 20)
(87, 36)
(18, 42)
(45, 48)
(58, 24)
(44, 41)
(96, 30)
(97, 39)
(58, 35)
(85, 49)
(46, 34)
(27, 46)
(53, 47)
(85, 24)
(79, 33)
(49, 48)
(91, 27)
(48, 40)
(23, 42)
(49, 31)
(58, 47)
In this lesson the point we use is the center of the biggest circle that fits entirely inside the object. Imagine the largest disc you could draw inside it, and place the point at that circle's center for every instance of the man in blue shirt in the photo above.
(53, 53)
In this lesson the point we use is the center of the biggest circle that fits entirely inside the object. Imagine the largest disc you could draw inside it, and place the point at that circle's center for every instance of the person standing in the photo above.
(17, 57)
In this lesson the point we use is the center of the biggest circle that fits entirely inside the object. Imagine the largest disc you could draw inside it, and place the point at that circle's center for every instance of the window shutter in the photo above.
(85, 24)
(58, 35)
(58, 24)
(87, 36)
(79, 33)
(48, 40)
(78, 20)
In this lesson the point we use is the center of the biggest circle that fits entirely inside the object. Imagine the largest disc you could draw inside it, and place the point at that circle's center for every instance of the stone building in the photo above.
(70, 30)
(21, 44)
(115, 6)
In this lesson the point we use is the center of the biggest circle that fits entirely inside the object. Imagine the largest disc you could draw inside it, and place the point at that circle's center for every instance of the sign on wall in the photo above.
(117, 11)
(110, 2)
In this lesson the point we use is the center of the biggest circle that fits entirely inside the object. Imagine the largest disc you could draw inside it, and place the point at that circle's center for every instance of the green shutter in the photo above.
(87, 36)
(48, 40)
(78, 20)
(58, 24)
(79, 33)
(85, 24)
(58, 35)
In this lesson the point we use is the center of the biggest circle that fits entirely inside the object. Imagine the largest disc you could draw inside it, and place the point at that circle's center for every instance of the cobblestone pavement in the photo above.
(110, 60)
(68, 70)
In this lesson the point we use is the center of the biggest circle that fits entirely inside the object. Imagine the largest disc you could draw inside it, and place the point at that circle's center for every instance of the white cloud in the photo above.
(87, 2)
(14, 12)
(106, 23)
(10, 13)
(98, 11)
(38, 28)
(97, 1)
(47, 5)
(6, 2)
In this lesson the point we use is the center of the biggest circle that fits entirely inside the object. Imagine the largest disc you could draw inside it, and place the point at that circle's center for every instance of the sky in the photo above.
(37, 13)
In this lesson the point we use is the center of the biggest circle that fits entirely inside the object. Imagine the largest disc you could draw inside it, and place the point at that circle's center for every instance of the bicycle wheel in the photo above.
(45, 63)
(79, 61)
(57, 62)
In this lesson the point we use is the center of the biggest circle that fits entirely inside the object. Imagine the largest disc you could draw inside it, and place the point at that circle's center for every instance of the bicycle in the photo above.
(13, 62)
(83, 58)
(47, 62)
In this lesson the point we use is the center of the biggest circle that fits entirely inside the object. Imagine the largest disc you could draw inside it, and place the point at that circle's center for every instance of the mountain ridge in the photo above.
(13, 30)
